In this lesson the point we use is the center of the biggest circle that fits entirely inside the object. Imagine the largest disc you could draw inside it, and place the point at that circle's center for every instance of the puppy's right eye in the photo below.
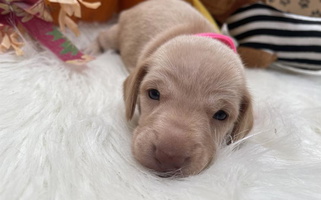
(154, 94)
(220, 115)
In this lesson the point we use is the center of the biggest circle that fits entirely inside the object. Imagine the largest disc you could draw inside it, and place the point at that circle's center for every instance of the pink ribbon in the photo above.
(223, 38)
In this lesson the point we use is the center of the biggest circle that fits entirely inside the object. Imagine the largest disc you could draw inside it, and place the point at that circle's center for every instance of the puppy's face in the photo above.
(192, 97)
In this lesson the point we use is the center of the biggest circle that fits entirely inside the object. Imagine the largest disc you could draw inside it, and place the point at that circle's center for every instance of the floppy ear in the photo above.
(131, 89)
(244, 122)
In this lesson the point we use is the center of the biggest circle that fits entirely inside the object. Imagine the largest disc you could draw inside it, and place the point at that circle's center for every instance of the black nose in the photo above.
(170, 161)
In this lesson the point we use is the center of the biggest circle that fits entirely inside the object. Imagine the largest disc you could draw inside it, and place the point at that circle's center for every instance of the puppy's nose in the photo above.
(170, 161)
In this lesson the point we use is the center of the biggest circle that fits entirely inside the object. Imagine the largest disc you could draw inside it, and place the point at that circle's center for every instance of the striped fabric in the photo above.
(295, 39)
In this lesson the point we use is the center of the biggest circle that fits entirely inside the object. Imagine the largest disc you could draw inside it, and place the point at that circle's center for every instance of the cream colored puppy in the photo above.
(190, 90)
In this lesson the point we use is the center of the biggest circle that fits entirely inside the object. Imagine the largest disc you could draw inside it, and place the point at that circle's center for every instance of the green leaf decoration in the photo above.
(68, 47)
(56, 34)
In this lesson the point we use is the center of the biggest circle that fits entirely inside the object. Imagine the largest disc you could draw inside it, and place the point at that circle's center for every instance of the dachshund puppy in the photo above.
(190, 90)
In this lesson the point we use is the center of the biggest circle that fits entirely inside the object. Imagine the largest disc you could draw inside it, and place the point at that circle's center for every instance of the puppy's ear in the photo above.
(244, 122)
(131, 89)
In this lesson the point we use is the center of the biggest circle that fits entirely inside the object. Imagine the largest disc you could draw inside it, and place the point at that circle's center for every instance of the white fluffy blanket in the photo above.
(63, 136)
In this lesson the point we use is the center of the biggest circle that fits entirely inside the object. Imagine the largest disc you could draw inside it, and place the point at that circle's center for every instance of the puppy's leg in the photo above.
(106, 40)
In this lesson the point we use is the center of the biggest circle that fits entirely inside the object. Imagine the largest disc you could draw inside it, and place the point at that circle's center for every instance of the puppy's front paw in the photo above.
(93, 49)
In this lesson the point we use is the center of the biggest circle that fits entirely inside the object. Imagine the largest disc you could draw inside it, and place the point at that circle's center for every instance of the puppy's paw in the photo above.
(93, 49)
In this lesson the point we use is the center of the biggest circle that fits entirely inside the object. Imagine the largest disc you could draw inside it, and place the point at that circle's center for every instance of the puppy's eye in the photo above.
(220, 115)
(154, 94)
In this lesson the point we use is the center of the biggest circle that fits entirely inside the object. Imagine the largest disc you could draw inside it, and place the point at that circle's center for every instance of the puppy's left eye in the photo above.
(154, 94)
(220, 115)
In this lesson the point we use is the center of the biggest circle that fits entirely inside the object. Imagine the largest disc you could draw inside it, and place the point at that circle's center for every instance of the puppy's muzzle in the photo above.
(171, 150)
(168, 160)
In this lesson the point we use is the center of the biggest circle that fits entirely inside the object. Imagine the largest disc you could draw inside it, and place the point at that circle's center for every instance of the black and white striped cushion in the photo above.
(295, 39)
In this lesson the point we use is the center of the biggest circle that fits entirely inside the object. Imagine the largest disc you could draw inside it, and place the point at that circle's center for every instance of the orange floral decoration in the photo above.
(70, 8)
(27, 10)
(10, 39)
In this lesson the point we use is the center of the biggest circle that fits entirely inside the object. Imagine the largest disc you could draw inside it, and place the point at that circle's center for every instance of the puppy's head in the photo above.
(192, 98)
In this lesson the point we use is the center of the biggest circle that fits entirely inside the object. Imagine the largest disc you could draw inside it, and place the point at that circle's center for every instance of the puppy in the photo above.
(190, 90)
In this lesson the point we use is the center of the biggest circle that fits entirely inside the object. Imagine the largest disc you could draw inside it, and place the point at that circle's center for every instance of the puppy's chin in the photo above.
(143, 148)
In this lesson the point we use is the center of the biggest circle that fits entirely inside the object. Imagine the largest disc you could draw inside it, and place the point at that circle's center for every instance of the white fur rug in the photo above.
(63, 136)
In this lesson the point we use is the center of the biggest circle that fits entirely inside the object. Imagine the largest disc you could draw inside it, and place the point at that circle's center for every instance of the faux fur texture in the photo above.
(63, 136)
